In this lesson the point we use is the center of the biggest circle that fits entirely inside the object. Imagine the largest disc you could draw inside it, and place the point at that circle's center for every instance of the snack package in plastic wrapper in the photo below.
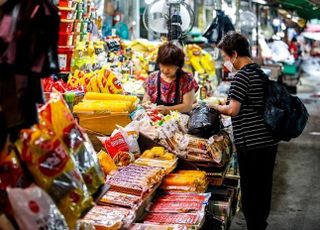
(157, 227)
(47, 150)
(187, 219)
(34, 209)
(117, 148)
(107, 218)
(11, 175)
(106, 162)
(76, 142)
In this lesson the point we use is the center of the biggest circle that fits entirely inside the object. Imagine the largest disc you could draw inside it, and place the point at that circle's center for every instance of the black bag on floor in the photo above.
(204, 122)
(284, 114)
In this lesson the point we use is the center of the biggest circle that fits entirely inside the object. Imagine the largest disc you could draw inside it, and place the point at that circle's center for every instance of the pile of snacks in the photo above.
(185, 181)
(135, 179)
(61, 159)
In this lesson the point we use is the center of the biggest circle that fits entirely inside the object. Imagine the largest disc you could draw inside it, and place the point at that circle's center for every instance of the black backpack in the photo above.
(284, 114)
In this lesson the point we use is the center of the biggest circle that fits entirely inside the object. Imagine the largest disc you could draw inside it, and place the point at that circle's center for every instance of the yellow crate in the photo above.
(103, 123)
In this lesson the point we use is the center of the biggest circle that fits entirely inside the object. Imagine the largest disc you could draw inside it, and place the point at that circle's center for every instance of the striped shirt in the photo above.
(249, 129)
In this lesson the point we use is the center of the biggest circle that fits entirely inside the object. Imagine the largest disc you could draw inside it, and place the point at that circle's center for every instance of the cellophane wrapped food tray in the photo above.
(107, 218)
(158, 157)
(194, 220)
(180, 203)
(135, 179)
(121, 199)
(140, 226)
(185, 181)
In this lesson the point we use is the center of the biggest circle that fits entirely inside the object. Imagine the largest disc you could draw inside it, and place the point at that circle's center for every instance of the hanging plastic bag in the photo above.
(34, 209)
(204, 122)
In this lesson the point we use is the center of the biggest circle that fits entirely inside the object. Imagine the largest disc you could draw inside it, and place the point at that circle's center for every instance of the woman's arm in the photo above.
(185, 107)
(146, 98)
(232, 109)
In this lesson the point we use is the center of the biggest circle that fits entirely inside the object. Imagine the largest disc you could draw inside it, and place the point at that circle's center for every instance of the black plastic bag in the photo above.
(204, 122)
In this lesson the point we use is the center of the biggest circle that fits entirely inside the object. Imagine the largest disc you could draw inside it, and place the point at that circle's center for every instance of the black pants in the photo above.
(256, 170)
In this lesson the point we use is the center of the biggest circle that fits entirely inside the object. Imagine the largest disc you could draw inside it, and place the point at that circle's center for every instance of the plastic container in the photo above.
(76, 38)
(67, 3)
(66, 26)
(65, 56)
(66, 39)
(67, 13)
(77, 26)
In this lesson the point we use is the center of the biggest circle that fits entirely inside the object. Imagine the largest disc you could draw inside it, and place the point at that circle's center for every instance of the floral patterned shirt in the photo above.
(168, 90)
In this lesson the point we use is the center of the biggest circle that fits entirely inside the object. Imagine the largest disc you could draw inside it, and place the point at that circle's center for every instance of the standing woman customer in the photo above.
(256, 147)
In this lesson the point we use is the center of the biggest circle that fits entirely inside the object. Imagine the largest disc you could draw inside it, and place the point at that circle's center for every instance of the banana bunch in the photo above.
(99, 81)
(200, 60)
(194, 54)
(208, 63)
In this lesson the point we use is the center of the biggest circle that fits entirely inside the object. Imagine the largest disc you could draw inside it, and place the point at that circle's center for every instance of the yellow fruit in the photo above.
(148, 154)
(168, 156)
(158, 151)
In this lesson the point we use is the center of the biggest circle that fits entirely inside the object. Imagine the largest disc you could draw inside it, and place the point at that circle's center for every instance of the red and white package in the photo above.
(117, 148)
(115, 144)
(185, 197)
(34, 209)
(169, 218)
(176, 206)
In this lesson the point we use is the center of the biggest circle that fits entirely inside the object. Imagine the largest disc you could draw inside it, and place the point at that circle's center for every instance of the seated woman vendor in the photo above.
(171, 88)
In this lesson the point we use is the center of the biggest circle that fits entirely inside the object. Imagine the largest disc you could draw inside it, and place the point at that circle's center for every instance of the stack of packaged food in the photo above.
(136, 179)
(186, 209)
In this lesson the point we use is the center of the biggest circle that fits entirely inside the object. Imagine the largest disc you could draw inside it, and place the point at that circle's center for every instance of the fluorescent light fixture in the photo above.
(276, 22)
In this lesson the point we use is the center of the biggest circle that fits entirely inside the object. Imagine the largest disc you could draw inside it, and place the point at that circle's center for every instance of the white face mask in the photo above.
(229, 66)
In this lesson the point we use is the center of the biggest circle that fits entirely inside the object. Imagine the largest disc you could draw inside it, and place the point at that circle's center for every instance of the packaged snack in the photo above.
(48, 151)
(11, 175)
(120, 199)
(118, 148)
(135, 179)
(107, 218)
(171, 218)
(157, 227)
(185, 181)
(76, 142)
(34, 209)
(106, 162)
(185, 197)
(161, 206)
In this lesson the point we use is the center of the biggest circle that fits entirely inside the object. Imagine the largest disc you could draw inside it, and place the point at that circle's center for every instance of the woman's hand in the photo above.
(163, 109)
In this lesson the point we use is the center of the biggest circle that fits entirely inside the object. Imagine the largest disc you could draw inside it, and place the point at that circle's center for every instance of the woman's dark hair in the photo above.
(233, 41)
(170, 54)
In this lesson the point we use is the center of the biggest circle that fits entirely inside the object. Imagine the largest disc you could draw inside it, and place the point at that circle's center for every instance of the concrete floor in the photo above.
(296, 187)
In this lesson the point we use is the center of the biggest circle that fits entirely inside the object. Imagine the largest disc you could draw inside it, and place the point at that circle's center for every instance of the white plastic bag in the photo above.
(34, 209)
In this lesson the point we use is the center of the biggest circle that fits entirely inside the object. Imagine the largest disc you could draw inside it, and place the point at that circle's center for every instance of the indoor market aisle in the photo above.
(296, 191)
